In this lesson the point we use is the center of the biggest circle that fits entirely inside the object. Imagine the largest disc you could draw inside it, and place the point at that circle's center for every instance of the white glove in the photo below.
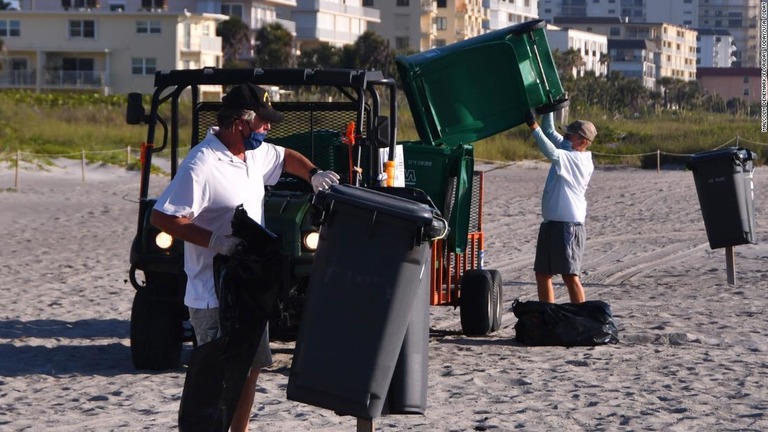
(223, 244)
(324, 180)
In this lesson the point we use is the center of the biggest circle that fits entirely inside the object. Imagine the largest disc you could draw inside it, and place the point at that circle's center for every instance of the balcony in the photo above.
(428, 7)
(18, 78)
(53, 79)
(74, 79)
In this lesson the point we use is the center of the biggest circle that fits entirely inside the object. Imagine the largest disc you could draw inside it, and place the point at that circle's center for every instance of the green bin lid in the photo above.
(476, 88)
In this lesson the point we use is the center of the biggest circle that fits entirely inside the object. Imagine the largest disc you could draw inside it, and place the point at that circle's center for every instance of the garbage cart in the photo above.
(366, 289)
(724, 185)
(470, 90)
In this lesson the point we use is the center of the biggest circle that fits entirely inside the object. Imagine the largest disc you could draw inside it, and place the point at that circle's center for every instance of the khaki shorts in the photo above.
(206, 325)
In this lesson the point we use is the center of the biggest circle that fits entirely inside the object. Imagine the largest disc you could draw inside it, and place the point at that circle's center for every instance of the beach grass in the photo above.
(66, 125)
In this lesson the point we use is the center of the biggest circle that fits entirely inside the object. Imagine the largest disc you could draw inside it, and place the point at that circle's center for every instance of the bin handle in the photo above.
(445, 231)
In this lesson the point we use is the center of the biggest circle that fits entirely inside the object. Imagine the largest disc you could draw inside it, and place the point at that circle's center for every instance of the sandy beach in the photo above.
(691, 357)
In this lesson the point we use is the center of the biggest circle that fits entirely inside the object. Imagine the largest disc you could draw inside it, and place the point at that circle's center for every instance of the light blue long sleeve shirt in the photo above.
(564, 198)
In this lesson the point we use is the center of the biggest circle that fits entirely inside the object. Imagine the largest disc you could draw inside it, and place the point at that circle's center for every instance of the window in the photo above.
(147, 27)
(439, 43)
(116, 7)
(746, 92)
(442, 4)
(746, 80)
(82, 29)
(401, 43)
(10, 28)
(234, 10)
(734, 23)
(368, 3)
(143, 66)
(615, 31)
(403, 3)
(441, 23)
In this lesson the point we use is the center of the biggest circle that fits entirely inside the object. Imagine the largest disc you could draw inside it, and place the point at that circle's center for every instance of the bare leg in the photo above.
(544, 287)
(575, 290)
(244, 405)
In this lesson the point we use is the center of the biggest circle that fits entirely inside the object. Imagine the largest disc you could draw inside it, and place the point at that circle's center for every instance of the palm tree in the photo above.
(236, 40)
(274, 45)
(568, 62)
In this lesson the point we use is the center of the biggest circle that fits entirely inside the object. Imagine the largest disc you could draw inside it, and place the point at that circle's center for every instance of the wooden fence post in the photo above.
(18, 160)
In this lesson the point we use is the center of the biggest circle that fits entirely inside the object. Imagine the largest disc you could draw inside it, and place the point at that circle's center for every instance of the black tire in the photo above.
(528, 26)
(475, 302)
(553, 107)
(497, 299)
(156, 330)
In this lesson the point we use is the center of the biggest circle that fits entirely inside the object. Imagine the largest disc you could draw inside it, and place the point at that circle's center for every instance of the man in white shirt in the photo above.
(562, 234)
(229, 167)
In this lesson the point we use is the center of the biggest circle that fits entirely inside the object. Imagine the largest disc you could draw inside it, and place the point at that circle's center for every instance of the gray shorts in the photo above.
(206, 325)
(559, 248)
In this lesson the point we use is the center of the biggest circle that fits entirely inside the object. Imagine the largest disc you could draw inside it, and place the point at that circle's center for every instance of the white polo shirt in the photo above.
(208, 185)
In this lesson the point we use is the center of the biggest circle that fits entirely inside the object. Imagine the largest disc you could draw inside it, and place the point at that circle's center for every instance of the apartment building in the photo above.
(733, 82)
(409, 25)
(714, 48)
(504, 13)
(740, 18)
(593, 47)
(458, 20)
(336, 22)
(634, 58)
(549, 9)
(676, 45)
(84, 49)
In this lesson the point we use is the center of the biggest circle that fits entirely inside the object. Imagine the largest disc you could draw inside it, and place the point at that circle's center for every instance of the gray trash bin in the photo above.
(724, 185)
(364, 293)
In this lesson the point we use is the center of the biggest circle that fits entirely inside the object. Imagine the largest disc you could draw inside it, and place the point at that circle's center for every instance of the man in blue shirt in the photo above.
(562, 234)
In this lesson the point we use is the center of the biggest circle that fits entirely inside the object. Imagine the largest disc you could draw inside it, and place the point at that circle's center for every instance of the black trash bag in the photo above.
(568, 324)
(247, 286)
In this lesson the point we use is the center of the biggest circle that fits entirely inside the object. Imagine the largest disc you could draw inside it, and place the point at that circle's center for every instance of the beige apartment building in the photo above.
(457, 20)
(84, 50)
(675, 54)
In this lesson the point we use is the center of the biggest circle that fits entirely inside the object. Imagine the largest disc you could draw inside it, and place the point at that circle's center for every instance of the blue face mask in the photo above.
(254, 140)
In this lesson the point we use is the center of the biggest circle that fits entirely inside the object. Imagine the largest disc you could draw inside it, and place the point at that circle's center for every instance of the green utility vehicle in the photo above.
(352, 131)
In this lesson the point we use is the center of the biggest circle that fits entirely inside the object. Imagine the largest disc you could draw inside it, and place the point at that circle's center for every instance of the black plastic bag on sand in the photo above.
(247, 287)
(568, 324)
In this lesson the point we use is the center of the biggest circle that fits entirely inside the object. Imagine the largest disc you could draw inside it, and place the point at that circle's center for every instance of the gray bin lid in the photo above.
(369, 199)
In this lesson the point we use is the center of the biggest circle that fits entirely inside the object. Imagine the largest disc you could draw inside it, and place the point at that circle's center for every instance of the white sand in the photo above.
(692, 355)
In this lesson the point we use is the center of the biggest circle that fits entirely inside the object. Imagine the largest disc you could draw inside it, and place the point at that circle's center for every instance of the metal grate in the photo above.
(314, 129)
(475, 206)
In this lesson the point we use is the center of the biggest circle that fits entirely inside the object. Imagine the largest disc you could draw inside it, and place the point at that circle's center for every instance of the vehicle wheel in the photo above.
(553, 107)
(528, 26)
(497, 298)
(156, 330)
(475, 302)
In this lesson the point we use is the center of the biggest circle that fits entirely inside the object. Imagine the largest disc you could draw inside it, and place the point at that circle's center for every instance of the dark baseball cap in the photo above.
(252, 97)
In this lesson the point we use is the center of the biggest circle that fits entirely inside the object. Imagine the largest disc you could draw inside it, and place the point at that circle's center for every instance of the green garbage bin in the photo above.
(470, 90)
(724, 185)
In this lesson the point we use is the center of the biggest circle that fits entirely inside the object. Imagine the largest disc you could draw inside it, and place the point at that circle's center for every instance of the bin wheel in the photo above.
(156, 330)
(498, 300)
(553, 107)
(476, 302)
(528, 26)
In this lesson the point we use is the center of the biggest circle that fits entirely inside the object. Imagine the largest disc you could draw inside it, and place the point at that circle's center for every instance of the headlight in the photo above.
(311, 239)
(163, 240)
